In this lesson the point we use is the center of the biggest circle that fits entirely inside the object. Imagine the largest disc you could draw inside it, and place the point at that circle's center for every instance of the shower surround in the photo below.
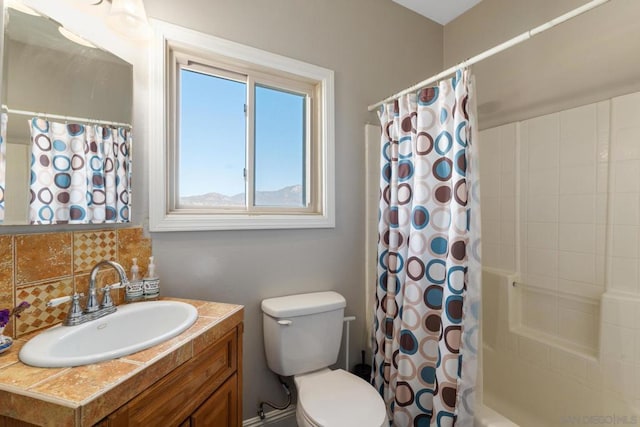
(561, 219)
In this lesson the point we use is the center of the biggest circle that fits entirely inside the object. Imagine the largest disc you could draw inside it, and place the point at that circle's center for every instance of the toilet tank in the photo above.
(302, 333)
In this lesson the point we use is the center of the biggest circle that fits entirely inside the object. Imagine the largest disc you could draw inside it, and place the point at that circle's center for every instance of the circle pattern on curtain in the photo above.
(423, 262)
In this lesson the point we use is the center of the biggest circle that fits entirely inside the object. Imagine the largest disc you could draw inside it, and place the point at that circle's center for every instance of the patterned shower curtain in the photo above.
(80, 174)
(3, 161)
(428, 290)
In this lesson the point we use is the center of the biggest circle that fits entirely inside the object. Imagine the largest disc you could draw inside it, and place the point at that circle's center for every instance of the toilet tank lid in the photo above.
(303, 304)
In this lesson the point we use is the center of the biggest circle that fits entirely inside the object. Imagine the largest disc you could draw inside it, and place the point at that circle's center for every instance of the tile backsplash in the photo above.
(41, 266)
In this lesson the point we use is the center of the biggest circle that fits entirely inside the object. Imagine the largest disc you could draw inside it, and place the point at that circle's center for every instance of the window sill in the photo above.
(203, 222)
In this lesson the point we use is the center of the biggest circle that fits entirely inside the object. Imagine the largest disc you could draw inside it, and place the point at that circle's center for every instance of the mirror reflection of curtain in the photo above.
(80, 174)
(3, 161)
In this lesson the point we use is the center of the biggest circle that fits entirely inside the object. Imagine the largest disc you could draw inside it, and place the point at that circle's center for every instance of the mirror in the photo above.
(47, 73)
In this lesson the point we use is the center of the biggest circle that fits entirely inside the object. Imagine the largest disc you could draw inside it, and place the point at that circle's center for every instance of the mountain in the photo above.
(287, 196)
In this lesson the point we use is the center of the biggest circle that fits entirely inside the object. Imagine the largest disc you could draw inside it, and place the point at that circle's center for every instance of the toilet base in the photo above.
(302, 421)
(337, 398)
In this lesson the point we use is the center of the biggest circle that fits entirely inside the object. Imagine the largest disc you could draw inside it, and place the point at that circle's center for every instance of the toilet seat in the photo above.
(338, 399)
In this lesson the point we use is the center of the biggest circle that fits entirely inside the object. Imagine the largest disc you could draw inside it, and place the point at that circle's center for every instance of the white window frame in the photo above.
(163, 212)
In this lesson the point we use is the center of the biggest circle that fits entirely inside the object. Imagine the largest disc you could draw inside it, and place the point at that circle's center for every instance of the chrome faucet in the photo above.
(92, 300)
(93, 310)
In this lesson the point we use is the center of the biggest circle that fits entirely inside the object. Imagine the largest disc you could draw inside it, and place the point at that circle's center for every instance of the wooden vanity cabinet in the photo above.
(204, 391)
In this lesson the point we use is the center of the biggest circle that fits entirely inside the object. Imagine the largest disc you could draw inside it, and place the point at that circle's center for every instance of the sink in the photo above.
(133, 327)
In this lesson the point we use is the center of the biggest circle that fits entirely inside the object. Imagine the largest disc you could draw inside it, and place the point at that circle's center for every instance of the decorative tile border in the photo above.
(39, 315)
(91, 247)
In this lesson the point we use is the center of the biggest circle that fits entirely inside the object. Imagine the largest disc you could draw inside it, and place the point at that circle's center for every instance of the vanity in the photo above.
(193, 379)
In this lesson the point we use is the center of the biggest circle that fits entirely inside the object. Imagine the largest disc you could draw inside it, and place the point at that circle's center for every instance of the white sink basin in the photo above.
(131, 328)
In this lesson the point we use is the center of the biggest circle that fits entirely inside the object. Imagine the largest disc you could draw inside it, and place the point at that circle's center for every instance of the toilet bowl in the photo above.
(302, 336)
(337, 399)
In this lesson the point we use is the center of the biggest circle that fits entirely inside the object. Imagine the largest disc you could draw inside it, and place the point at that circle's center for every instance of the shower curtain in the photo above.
(80, 174)
(428, 287)
(3, 161)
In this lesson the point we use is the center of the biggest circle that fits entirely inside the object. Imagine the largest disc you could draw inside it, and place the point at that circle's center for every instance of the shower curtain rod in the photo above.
(496, 49)
(65, 118)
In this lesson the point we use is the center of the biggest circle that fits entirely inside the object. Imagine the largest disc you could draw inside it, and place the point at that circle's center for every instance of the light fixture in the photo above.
(128, 17)
(75, 38)
(20, 7)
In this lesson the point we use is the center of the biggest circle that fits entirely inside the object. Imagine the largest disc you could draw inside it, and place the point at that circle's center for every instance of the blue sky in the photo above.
(212, 136)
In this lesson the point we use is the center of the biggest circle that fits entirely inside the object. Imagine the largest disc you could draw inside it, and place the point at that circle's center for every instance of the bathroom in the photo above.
(585, 61)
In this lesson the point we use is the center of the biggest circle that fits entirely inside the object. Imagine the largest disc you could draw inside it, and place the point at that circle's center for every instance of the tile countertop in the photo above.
(83, 395)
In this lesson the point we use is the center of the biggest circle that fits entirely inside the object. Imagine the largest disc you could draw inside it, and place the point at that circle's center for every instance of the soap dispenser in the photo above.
(151, 283)
(134, 289)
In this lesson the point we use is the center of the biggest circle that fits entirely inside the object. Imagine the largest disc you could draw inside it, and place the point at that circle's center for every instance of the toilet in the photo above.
(302, 335)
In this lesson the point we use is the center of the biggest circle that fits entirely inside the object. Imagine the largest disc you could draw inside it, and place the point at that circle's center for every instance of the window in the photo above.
(244, 137)
(243, 141)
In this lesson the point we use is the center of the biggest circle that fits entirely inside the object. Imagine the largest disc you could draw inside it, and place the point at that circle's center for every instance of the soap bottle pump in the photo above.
(151, 283)
(134, 289)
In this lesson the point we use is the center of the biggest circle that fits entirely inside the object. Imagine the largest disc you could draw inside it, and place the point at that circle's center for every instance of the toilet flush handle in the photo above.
(285, 322)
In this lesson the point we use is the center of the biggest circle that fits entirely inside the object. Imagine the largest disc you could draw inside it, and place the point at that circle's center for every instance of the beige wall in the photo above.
(591, 58)
(370, 63)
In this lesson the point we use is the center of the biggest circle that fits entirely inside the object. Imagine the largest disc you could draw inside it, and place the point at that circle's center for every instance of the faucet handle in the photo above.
(75, 311)
(106, 297)
(117, 285)
(107, 301)
(54, 302)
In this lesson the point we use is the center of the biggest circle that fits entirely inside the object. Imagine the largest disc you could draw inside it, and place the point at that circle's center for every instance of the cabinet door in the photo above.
(220, 409)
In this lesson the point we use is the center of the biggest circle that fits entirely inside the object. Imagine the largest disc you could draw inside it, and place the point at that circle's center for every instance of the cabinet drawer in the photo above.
(172, 399)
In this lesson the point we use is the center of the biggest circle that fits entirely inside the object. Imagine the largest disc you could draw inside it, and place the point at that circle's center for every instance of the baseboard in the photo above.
(271, 417)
